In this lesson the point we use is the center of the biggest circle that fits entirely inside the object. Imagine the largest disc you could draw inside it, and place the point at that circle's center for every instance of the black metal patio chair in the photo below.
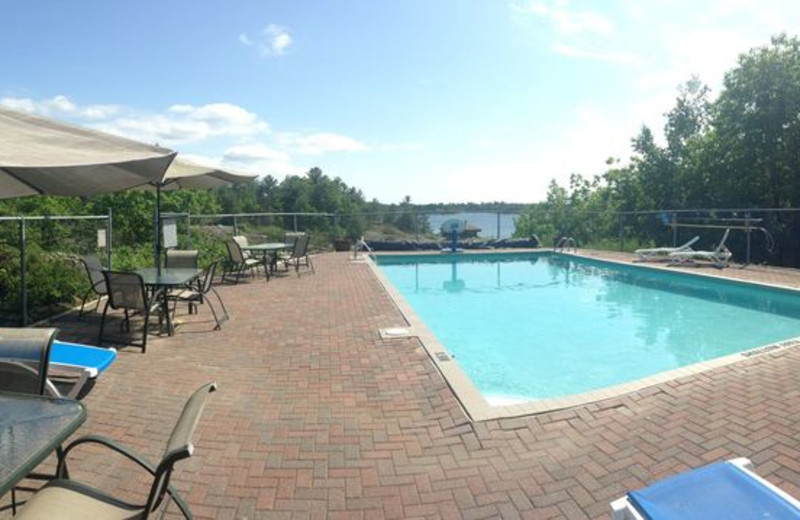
(127, 292)
(64, 498)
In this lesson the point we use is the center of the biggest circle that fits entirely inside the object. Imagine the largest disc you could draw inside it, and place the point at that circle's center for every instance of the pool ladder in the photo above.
(565, 244)
(361, 244)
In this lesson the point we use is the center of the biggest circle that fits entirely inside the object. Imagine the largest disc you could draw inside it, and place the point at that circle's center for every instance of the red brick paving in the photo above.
(317, 417)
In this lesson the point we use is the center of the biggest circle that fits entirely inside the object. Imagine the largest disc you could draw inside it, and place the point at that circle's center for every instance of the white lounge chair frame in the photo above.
(662, 253)
(718, 257)
(622, 509)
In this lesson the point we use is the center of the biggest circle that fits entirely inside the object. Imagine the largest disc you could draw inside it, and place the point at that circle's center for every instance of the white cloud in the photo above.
(273, 40)
(260, 159)
(398, 147)
(181, 124)
(59, 105)
(254, 153)
(19, 104)
(319, 143)
(596, 54)
(567, 21)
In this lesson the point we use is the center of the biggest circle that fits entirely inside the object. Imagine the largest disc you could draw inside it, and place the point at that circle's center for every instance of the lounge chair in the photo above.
(727, 489)
(25, 361)
(39, 353)
(718, 257)
(662, 253)
(85, 363)
(68, 499)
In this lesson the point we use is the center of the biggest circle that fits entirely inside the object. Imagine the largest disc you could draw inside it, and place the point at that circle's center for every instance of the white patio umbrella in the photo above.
(183, 173)
(40, 156)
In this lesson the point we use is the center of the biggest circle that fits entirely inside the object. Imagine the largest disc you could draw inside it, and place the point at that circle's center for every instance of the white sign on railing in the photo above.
(170, 226)
(101, 238)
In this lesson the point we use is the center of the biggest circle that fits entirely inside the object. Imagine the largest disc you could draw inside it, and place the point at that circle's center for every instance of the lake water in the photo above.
(486, 221)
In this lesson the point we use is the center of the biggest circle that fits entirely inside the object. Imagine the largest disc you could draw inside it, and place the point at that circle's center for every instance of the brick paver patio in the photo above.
(317, 417)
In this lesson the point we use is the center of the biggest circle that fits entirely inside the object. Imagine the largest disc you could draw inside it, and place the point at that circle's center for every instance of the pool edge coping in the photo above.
(478, 409)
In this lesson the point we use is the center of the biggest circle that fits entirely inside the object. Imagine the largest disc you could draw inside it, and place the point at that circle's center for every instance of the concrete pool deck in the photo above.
(317, 416)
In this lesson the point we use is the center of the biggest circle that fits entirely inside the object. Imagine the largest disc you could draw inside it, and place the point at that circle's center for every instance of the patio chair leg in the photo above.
(144, 330)
(83, 302)
(221, 303)
(103, 322)
(214, 313)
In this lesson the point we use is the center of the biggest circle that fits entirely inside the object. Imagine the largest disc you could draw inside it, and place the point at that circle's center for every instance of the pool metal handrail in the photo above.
(565, 244)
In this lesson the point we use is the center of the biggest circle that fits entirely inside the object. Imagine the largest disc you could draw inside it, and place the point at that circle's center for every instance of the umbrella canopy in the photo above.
(41, 156)
(183, 173)
(187, 174)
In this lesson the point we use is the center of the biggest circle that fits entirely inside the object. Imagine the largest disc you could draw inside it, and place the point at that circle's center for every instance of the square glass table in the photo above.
(32, 427)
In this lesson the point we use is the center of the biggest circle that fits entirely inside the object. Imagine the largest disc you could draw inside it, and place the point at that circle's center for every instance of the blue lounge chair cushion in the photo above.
(77, 355)
(716, 491)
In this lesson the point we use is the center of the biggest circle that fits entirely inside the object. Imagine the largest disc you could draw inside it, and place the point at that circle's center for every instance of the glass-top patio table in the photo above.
(268, 249)
(31, 427)
(167, 278)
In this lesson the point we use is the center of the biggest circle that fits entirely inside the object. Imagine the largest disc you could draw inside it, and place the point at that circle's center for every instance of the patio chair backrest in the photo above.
(235, 252)
(125, 290)
(301, 246)
(290, 237)
(181, 258)
(25, 357)
(179, 446)
(208, 277)
(241, 240)
(94, 269)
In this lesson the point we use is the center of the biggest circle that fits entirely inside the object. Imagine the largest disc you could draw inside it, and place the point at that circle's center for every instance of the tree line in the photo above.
(740, 150)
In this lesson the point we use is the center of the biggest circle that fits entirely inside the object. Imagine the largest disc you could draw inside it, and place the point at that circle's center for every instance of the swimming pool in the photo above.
(537, 326)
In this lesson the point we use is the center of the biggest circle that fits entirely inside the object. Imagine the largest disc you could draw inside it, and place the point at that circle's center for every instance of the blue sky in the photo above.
(441, 100)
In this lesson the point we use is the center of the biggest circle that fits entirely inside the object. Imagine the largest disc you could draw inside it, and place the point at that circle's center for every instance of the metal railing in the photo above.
(51, 232)
(759, 234)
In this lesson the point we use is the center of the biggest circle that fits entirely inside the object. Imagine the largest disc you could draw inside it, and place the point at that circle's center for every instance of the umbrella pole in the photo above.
(157, 247)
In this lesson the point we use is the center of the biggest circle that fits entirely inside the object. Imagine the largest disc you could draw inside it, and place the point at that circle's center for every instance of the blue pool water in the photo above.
(532, 326)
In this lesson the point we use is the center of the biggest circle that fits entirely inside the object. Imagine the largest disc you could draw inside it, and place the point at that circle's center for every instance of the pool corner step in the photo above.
(395, 332)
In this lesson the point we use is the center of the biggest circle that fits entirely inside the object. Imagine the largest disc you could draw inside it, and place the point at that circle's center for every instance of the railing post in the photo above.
(674, 229)
(747, 231)
(189, 229)
(294, 222)
(23, 282)
(235, 226)
(109, 235)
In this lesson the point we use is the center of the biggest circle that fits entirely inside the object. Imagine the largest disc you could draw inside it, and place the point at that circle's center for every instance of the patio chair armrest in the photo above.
(129, 454)
(108, 443)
